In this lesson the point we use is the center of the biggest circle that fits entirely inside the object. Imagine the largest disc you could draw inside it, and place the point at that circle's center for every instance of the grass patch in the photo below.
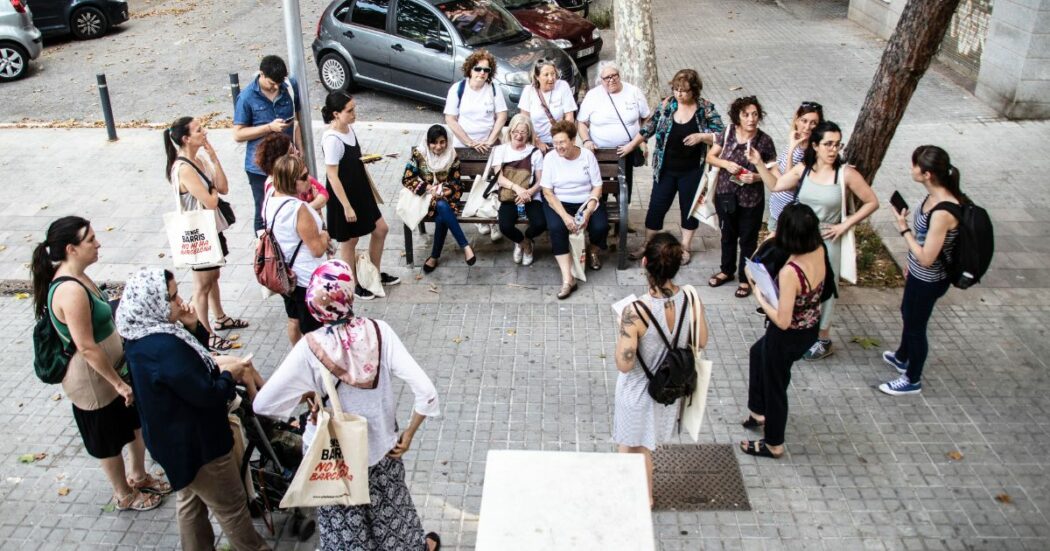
(875, 266)
(602, 19)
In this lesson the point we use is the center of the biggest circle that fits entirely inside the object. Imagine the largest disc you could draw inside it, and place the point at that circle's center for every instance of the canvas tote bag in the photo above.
(578, 248)
(848, 256)
(368, 275)
(192, 236)
(335, 468)
(412, 208)
(705, 213)
(693, 407)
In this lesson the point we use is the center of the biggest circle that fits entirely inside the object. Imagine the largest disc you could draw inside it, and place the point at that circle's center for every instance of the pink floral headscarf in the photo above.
(348, 346)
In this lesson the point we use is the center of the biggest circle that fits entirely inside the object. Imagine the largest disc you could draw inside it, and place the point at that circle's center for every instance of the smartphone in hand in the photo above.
(898, 202)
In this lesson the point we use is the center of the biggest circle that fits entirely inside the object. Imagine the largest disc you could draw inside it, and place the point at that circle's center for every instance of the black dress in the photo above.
(355, 183)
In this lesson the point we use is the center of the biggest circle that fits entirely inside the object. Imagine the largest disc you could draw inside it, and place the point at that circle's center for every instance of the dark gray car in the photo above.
(416, 47)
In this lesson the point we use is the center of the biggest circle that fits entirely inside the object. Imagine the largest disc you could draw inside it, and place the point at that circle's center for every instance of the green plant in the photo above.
(875, 265)
(602, 19)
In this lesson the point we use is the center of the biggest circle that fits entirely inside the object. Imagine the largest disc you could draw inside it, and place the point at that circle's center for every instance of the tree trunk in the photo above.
(908, 54)
(635, 47)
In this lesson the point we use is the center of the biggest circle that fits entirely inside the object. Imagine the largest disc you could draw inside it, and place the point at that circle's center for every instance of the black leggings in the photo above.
(916, 309)
(669, 184)
(508, 217)
(740, 225)
(770, 361)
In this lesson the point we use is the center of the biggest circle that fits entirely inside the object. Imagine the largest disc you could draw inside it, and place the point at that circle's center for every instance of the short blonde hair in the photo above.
(518, 120)
(286, 172)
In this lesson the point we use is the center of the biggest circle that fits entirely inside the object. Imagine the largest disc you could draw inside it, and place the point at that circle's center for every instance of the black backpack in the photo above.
(675, 377)
(974, 245)
(51, 354)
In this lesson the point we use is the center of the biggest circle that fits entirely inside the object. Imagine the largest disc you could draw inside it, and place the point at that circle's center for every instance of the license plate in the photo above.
(585, 52)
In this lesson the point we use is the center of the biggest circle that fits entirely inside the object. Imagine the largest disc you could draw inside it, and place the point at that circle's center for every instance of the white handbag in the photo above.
(694, 406)
(368, 275)
(478, 204)
(335, 468)
(412, 208)
(705, 212)
(848, 240)
(193, 236)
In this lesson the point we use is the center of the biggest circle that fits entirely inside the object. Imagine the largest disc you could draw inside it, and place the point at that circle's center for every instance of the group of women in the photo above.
(150, 376)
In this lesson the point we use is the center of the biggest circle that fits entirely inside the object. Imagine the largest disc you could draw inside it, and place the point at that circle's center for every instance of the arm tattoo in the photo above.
(628, 355)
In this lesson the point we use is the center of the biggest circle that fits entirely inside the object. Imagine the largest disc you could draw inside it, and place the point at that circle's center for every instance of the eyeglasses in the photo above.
(479, 69)
(682, 90)
(812, 105)
(831, 145)
(519, 132)
(612, 77)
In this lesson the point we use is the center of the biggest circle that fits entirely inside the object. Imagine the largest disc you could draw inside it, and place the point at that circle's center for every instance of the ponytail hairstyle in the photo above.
(810, 157)
(68, 230)
(173, 136)
(934, 160)
(537, 68)
(663, 258)
(334, 103)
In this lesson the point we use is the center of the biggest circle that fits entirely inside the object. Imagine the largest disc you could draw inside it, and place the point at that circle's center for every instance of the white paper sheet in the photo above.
(763, 281)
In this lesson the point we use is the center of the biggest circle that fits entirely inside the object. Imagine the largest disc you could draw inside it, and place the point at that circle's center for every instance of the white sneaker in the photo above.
(494, 233)
(517, 253)
(483, 229)
(527, 257)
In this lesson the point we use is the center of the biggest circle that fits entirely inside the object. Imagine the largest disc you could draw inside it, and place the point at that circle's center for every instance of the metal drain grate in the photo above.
(702, 477)
(11, 287)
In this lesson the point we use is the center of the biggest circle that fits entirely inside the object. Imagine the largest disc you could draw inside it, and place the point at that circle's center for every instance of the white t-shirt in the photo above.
(333, 145)
(559, 101)
(605, 127)
(286, 231)
(573, 180)
(506, 154)
(477, 112)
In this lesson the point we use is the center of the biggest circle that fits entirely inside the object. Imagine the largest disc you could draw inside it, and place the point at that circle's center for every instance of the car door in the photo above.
(423, 57)
(48, 15)
(364, 36)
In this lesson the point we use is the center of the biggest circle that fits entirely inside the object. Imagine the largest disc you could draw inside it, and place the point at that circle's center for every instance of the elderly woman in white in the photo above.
(611, 115)
(546, 102)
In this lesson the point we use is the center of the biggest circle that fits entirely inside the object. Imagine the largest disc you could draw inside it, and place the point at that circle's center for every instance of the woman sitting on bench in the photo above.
(434, 169)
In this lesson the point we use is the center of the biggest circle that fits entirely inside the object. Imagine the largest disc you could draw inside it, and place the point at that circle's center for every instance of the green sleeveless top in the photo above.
(101, 315)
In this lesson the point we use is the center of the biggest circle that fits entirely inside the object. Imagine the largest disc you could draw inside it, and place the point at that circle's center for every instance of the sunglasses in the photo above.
(485, 70)
(812, 105)
(304, 177)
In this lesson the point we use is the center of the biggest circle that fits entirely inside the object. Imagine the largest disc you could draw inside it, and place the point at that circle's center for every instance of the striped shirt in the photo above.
(936, 271)
(780, 199)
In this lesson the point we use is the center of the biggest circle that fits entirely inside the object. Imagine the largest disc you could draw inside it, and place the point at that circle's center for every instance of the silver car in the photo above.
(416, 48)
(20, 41)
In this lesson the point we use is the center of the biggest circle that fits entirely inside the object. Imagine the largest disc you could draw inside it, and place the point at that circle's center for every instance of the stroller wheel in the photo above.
(306, 530)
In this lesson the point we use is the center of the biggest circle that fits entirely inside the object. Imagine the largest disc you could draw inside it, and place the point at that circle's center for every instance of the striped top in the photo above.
(936, 271)
(780, 199)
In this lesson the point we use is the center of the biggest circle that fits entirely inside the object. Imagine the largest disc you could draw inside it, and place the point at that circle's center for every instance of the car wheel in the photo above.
(14, 62)
(87, 23)
(335, 73)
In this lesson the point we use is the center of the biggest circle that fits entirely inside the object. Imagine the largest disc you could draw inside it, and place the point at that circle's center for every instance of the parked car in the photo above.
(20, 41)
(583, 6)
(416, 47)
(84, 19)
(569, 31)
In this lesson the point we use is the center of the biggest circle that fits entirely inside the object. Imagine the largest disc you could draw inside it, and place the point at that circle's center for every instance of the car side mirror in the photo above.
(436, 45)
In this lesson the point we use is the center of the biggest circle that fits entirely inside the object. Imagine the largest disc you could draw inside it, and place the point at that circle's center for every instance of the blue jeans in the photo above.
(444, 222)
(916, 309)
(257, 182)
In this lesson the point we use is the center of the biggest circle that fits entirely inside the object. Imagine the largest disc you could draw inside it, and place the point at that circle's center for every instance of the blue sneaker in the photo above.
(901, 386)
(890, 357)
(820, 350)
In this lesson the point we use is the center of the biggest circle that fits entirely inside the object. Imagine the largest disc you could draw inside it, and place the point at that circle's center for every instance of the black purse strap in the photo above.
(200, 172)
(659, 331)
(617, 111)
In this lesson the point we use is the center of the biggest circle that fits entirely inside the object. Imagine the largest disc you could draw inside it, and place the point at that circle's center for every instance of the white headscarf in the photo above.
(436, 163)
(144, 310)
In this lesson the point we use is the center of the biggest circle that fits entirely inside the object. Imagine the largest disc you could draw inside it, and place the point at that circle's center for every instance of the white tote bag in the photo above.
(368, 275)
(192, 236)
(848, 240)
(335, 468)
(412, 208)
(694, 406)
(705, 212)
(578, 249)
(477, 203)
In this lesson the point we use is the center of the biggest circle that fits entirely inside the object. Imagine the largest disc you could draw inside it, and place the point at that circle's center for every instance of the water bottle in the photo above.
(579, 216)
(521, 211)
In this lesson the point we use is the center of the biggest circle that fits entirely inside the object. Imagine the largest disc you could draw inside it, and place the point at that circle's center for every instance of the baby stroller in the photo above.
(272, 453)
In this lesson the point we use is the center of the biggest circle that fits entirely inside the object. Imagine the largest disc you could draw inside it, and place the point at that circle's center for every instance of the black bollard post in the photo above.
(235, 89)
(107, 109)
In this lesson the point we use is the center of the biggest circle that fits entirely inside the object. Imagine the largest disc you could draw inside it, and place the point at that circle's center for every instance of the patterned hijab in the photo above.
(144, 310)
(348, 346)
(436, 163)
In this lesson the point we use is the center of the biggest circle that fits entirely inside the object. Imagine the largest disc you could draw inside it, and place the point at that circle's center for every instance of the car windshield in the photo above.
(521, 4)
(479, 22)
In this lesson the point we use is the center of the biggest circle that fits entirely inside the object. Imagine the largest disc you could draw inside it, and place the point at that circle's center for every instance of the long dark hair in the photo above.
(810, 157)
(51, 251)
(173, 136)
(663, 258)
(335, 102)
(932, 159)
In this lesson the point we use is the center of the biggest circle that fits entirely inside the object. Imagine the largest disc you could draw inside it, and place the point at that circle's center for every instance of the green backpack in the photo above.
(51, 354)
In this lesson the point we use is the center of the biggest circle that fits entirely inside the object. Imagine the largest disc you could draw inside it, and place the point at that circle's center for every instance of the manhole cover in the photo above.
(701, 477)
(11, 287)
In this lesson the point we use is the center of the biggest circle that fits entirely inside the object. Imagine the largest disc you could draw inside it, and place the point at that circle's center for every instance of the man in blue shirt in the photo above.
(270, 103)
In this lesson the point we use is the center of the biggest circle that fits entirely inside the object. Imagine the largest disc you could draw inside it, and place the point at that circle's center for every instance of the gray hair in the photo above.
(518, 120)
(602, 66)
(539, 65)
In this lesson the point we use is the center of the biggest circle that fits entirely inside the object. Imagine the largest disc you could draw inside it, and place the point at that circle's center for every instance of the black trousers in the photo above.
(742, 224)
(597, 227)
(770, 362)
(671, 183)
(916, 309)
(508, 217)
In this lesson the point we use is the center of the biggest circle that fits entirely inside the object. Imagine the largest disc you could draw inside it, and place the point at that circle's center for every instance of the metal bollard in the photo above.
(107, 109)
(235, 89)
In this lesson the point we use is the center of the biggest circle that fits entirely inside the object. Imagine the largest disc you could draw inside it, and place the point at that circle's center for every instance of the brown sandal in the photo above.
(151, 485)
(719, 279)
(137, 501)
(743, 291)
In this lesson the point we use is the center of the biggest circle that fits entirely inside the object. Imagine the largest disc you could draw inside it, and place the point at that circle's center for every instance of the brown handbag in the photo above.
(520, 173)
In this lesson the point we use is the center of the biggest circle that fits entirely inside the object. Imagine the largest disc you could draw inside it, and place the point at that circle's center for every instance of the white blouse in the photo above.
(300, 373)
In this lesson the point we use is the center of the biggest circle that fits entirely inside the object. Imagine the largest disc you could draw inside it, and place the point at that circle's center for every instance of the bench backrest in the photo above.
(472, 164)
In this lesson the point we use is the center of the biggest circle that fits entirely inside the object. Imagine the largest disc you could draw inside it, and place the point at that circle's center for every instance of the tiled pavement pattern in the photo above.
(863, 470)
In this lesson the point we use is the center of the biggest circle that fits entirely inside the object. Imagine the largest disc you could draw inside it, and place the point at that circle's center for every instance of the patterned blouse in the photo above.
(659, 125)
(806, 313)
(747, 195)
(418, 176)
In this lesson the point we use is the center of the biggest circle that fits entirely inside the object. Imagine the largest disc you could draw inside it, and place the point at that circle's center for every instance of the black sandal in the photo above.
(219, 344)
(752, 423)
(435, 538)
(758, 448)
(229, 322)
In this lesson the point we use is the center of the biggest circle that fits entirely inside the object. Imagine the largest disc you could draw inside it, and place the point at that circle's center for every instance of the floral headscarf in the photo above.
(144, 310)
(348, 346)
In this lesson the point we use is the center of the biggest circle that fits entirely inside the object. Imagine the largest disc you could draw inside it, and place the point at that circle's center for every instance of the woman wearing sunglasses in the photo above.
(475, 109)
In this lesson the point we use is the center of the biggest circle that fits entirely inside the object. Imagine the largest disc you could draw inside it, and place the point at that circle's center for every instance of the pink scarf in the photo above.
(346, 345)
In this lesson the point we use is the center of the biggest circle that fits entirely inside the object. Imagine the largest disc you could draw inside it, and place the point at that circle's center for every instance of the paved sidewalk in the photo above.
(517, 369)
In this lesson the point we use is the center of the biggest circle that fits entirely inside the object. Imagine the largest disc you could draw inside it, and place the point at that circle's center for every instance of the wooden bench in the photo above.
(472, 164)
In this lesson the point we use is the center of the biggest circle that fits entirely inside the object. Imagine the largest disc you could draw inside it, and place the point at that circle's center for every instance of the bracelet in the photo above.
(587, 141)
(904, 231)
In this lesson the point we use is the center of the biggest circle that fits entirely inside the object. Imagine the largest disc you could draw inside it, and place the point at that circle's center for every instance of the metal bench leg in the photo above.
(408, 245)
(622, 204)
